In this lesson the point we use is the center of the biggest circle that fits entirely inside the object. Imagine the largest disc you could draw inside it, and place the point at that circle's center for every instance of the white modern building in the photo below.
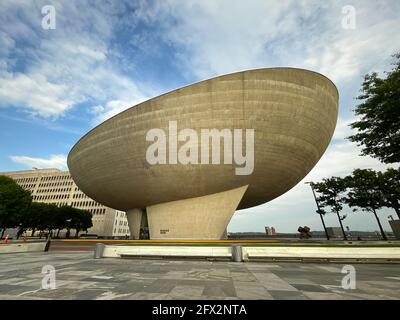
(57, 187)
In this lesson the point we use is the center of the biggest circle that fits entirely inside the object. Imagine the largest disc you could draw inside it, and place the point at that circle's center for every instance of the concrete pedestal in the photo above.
(395, 225)
(134, 218)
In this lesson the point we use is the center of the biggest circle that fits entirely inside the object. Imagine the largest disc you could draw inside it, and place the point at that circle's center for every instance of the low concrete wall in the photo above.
(22, 247)
(254, 253)
(167, 251)
(391, 253)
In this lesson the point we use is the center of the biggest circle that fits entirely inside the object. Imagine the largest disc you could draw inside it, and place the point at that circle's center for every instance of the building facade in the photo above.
(55, 186)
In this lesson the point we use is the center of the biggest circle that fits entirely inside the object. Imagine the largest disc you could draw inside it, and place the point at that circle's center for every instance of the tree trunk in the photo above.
(58, 233)
(380, 226)
(323, 224)
(341, 226)
(76, 233)
(20, 232)
(33, 232)
(2, 233)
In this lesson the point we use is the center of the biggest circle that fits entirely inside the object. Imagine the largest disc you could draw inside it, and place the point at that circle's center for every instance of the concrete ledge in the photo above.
(22, 247)
(166, 251)
(321, 253)
(267, 253)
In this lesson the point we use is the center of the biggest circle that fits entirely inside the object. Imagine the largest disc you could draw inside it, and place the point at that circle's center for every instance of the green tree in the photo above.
(47, 217)
(80, 220)
(365, 193)
(62, 219)
(28, 220)
(378, 130)
(331, 194)
(14, 202)
(389, 184)
(33, 219)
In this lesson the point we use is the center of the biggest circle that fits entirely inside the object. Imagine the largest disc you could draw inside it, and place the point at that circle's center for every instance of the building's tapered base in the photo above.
(196, 218)
(135, 217)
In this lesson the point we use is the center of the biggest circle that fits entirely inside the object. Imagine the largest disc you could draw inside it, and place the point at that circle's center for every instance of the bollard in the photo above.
(5, 241)
(237, 253)
(48, 242)
(98, 252)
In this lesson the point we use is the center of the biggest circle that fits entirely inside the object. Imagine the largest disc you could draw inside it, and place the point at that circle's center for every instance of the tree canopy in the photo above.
(17, 209)
(364, 189)
(378, 130)
(14, 203)
(331, 194)
(389, 184)
(365, 193)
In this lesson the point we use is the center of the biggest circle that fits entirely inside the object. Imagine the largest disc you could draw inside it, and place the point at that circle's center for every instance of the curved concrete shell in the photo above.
(293, 113)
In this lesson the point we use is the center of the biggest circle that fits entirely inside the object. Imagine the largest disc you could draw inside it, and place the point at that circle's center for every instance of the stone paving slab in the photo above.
(79, 276)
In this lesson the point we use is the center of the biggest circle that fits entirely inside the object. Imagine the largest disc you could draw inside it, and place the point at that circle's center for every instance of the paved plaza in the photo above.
(79, 276)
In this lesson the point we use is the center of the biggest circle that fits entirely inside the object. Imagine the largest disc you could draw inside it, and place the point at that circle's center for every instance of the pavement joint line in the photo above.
(26, 292)
(395, 278)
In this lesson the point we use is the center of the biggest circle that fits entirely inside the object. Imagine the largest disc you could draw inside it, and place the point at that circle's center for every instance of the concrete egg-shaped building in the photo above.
(265, 129)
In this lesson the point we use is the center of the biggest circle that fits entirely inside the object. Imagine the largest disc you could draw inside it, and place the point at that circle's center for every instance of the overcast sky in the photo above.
(103, 57)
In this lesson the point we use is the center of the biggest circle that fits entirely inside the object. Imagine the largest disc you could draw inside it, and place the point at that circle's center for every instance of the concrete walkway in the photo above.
(79, 276)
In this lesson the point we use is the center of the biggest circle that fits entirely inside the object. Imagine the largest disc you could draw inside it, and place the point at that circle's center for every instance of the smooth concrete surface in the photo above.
(395, 225)
(322, 252)
(167, 251)
(203, 217)
(98, 251)
(134, 217)
(293, 113)
(22, 247)
(248, 252)
(79, 276)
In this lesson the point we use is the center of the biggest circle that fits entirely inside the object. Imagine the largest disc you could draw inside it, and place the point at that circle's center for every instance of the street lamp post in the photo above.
(319, 211)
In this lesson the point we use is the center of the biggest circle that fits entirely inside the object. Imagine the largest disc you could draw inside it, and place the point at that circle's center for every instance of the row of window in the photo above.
(26, 180)
(58, 204)
(79, 196)
(51, 197)
(94, 211)
(97, 211)
(56, 178)
(28, 186)
(85, 204)
(53, 190)
(56, 184)
(121, 223)
(120, 214)
(123, 230)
